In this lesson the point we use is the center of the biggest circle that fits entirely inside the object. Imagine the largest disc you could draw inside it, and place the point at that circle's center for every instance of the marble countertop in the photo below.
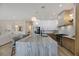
(70, 37)
(37, 38)
(36, 46)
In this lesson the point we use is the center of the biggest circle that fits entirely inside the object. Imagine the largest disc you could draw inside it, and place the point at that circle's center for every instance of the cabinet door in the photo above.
(61, 19)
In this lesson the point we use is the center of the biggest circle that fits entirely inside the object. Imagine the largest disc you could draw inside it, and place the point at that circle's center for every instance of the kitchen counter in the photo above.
(66, 42)
(70, 37)
(36, 46)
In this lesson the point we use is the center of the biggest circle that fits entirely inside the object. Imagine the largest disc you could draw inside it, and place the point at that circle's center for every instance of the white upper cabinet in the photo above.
(61, 19)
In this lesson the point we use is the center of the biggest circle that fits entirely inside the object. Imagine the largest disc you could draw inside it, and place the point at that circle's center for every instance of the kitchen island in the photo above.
(36, 46)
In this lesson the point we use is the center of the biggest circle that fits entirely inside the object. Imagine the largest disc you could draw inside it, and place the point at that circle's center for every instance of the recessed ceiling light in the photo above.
(33, 18)
(16, 26)
(60, 5)
(42, 6)
(36, 23)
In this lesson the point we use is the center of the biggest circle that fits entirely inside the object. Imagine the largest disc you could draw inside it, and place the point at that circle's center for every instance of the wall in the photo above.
(9, 25)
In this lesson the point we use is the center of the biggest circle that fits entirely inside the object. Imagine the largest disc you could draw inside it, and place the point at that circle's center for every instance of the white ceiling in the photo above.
(24, 11)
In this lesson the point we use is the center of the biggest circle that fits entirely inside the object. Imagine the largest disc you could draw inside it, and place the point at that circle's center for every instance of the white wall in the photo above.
(6, 25)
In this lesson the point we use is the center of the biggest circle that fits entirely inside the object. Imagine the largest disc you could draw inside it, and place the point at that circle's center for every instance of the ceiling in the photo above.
(24, 11)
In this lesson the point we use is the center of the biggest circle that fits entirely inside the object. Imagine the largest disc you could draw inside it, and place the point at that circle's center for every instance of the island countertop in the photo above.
(37, 46)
